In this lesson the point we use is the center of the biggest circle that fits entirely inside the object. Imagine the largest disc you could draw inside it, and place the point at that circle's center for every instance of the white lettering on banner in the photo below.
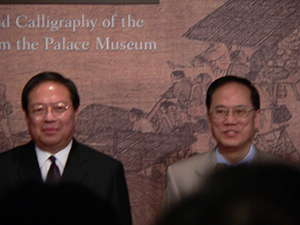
(5, 23)
(123, 45)
(32, 24)
(4, 45)
(42, 21)
(26, 45)
(65, 45)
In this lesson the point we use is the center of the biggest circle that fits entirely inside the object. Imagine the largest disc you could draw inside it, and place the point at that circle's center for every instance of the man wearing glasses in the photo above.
(233, 111)
(50, 102)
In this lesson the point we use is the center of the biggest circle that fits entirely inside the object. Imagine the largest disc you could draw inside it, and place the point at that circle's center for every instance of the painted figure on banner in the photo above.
(5, 111)
(181, 89)
(140, 123)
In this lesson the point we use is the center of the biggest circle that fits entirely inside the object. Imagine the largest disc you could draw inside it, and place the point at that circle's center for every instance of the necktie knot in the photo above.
(52, 158)
(53, 176)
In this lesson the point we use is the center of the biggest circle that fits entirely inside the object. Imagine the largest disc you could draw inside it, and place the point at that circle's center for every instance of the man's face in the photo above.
(233, 132)
(53, 130)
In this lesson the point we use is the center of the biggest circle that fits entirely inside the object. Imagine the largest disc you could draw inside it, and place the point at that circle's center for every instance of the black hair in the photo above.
(232, 79)
(49, 76)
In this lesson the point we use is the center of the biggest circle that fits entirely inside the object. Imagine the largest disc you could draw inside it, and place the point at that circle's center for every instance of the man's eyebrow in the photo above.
(241, 106)
(220, 106)
(237, 106)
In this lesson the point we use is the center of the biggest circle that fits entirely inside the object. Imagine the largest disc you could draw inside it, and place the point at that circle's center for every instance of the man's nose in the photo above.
(230, 118)
(49, 114)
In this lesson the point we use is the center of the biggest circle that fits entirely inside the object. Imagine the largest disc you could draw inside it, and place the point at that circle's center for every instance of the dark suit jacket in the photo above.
(85, 166)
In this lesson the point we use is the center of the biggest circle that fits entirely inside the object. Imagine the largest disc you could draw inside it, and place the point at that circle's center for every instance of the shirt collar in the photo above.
(246, 160)
(61, 156)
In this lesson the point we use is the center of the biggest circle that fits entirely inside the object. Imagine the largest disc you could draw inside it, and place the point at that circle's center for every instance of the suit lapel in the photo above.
(75, 170)
(28, 167)
(206, 163)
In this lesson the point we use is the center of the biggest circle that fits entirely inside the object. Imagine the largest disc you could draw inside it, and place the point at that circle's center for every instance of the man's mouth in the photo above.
(230, 132)
(50, 130)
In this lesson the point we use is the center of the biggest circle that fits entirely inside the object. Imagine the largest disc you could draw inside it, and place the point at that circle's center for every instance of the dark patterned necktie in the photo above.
(53, 176)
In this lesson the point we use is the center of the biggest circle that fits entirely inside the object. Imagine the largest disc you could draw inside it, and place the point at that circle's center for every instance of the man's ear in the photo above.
(26, 118)
(257, 118)
(208, 120)
(76, 114)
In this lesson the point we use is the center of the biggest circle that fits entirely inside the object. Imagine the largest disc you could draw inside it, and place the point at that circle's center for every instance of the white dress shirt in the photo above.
(45, 163)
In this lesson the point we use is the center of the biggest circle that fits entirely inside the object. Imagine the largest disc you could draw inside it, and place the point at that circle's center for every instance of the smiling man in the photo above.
(233, 111)
(50, 103)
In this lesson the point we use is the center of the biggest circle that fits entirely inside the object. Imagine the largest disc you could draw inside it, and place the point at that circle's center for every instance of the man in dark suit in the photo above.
(50, 102)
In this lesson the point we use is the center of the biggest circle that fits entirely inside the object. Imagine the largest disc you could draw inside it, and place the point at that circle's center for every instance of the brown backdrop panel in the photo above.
(121, 57)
